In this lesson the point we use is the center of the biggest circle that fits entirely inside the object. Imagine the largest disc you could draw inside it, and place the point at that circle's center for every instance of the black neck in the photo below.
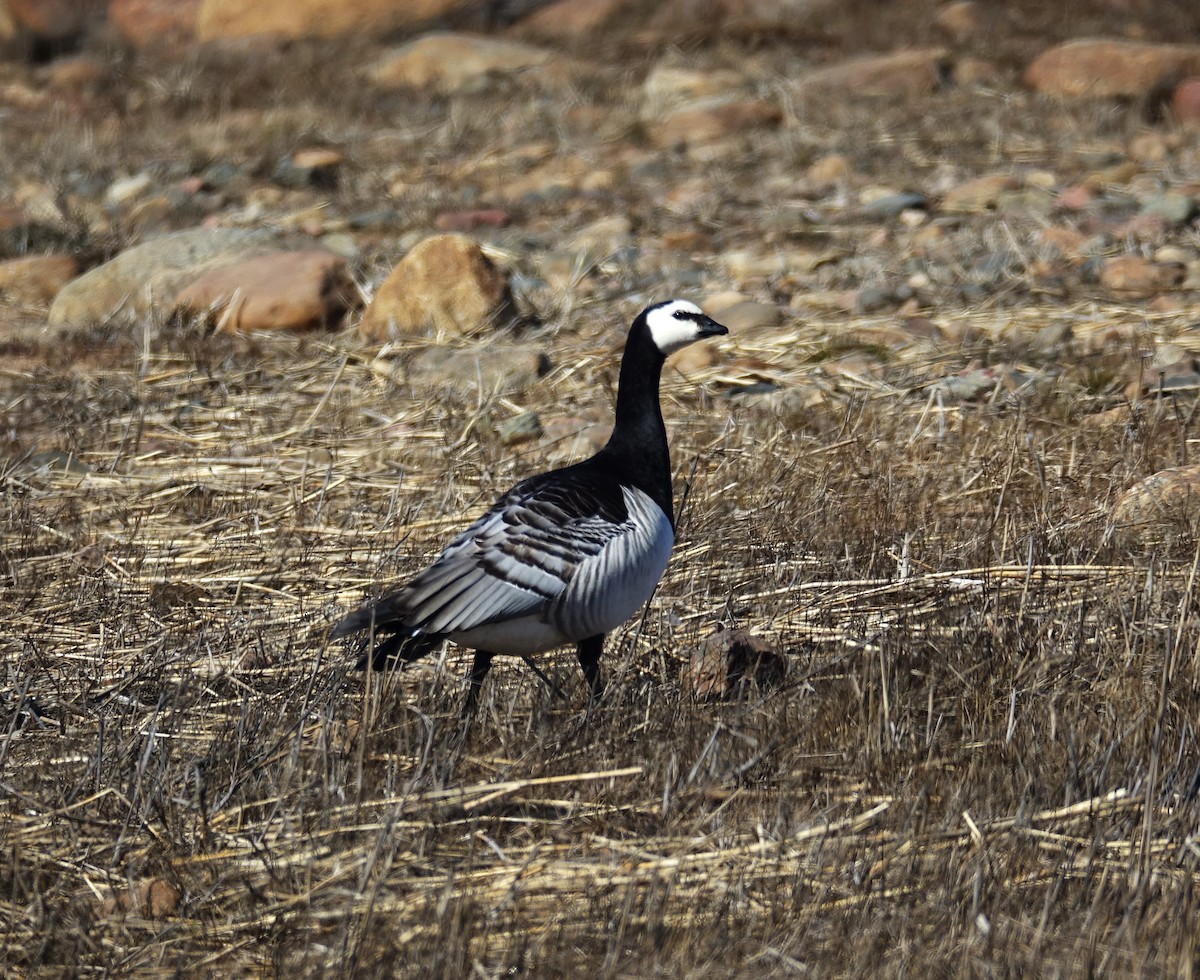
(638, 443)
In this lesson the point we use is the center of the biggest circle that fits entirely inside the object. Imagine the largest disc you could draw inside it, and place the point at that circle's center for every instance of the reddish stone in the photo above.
(1066, 241)
(1104, 68)
(36, 279)
(54, 19)
(1074, 198)
(1133, 277)
(146, 23)
(1185, 102)
(728, 659)
(279, 291)
(467, 220)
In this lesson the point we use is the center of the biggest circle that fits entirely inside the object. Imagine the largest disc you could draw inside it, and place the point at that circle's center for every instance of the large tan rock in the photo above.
(449, 62)
(444, 285)
(281, 291)
(1106, 68)
(148, 276)
(902, 74)
(228, 19)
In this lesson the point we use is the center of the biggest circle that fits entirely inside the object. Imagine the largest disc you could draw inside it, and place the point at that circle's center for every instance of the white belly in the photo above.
(514, 637)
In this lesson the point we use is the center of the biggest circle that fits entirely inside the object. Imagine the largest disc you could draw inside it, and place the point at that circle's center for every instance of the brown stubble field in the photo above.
(982, 761)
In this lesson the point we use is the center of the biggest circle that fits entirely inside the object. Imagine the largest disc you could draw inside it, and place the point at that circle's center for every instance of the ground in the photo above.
(983, 757)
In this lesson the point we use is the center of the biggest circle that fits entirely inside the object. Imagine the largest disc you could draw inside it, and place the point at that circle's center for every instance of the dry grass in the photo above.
(983, 758)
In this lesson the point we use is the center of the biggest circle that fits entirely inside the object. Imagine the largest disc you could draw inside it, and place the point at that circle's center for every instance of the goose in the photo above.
(563, 557)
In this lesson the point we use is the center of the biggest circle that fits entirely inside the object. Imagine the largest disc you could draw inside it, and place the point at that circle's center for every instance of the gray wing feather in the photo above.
(515, 561)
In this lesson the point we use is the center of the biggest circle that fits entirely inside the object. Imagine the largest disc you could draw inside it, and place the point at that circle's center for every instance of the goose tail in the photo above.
(390, 643)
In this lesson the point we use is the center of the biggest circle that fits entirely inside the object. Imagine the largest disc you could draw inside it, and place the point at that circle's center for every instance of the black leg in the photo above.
(589, 659)
(479, 670)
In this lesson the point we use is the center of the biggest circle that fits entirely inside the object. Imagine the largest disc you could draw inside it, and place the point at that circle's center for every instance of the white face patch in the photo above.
(670, 332)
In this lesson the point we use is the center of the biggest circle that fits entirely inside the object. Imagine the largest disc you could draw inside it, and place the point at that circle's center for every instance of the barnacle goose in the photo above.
(563, 557)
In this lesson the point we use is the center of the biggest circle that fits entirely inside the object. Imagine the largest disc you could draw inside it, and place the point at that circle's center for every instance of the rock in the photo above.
(904, 74)
(153, 23)
(713, 119)
(36, 279)
(1107, 68)
(978, 384)
(1169, 498)
(977, 72)
(1185, 103)
(1175, 208)
(55, 21)
(148, 276)
(1067, 242)
(122, 192)
(317, 167)
(485, 370)
(728, 659)
(1133, 277)
(569, 19)
(151, 898)
(980, 194)
(695, 358)
(891, 205)
(223, 20)
(445, 285)
(73, 73)
(741, 17)
(454, 62)
(668, 87)
(469, 220)
(1146, 229)
(520, 428)
(828, 171)
(871, 299)
(281, 291)
(1116, 175)
(967, 19)
(1074, 198)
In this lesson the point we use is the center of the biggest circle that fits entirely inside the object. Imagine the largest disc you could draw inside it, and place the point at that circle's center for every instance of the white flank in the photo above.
(613, 585)
(601, 592)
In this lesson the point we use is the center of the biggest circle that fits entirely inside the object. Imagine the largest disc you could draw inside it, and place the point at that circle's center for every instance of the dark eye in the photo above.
(680, 314)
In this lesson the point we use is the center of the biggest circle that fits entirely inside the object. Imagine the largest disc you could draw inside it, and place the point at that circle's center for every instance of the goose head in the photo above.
(676, 323)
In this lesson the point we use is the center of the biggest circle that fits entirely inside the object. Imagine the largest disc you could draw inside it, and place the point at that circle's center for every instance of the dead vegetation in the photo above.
(983, 758)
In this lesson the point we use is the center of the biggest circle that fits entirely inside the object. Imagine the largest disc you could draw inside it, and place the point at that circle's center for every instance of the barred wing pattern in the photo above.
(559, 558)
